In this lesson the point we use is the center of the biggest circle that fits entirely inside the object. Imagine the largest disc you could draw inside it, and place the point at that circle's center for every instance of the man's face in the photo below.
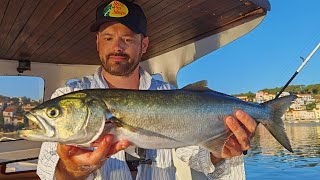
(120, 49)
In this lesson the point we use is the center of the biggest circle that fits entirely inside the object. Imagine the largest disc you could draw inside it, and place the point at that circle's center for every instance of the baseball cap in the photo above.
(124, 12)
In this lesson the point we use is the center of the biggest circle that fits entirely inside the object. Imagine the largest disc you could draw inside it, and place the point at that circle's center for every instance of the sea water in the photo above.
(267, 159)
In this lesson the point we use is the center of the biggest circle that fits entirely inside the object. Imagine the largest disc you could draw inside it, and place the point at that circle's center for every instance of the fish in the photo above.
(151, 119)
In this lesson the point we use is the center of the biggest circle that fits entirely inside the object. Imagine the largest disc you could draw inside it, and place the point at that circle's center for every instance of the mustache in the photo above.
(118, 54)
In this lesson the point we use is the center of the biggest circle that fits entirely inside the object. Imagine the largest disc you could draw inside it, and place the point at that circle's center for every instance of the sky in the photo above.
(267, 56)
(20, 86)
(264, 58)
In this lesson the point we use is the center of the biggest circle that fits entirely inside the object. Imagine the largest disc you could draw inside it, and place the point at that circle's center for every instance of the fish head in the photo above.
(65, 119)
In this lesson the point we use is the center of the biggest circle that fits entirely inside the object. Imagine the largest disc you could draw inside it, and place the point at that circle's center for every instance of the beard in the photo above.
(122, 68)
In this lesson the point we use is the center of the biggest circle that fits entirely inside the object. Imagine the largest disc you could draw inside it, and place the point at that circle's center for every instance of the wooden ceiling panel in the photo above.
(25, 12)
(181, 36)
(196, 16)
(64, 34)
(167, 48)
(158, 7)
(31, 24)
(46, 23)
(58, 31)
(11, 12)
(3, 7)
(141, 2)
(38, 39)
(194, 23)
(170, 13)
(74, 35)
(85, 47)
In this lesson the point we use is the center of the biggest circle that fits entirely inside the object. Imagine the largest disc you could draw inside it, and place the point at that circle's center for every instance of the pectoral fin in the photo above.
(215, 144)
(132, 151)
(119, 123)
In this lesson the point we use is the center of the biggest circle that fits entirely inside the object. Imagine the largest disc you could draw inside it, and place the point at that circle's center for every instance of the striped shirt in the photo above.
(162, 167)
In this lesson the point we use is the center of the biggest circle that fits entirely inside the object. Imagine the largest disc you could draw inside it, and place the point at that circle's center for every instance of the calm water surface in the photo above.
(269, 160)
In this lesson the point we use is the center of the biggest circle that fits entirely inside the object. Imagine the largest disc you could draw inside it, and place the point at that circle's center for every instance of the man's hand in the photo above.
(240, 140)
(78, 163)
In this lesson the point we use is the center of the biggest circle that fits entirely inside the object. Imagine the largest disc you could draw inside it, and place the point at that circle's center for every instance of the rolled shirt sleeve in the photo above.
(199, 159)
(48, 159)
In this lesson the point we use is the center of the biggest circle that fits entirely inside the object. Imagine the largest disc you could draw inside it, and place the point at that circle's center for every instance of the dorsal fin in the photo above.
(202, 86)
(198, 86)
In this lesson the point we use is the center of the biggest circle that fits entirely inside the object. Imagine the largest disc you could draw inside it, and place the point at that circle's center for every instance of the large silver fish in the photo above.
(193, 115)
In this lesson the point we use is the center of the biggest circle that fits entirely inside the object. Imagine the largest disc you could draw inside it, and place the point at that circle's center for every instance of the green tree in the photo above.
(310, 106)
(26, 100)
(9, 128)
(297, 89)
(15, 100)
(1, 121)
(251, 95)
(20, 126)
(1, 118)
(312, 89)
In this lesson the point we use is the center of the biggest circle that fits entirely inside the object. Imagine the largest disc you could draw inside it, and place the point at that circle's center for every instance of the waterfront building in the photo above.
(262, 97)
(8, 115)
(18, 120)
(27, 107)
(317, 113)
(307, 114)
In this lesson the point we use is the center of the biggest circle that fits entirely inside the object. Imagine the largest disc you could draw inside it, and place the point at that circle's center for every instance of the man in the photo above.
(121, 41)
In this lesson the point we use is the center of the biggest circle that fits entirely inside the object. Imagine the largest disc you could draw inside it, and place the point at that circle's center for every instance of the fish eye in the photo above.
(53, 113)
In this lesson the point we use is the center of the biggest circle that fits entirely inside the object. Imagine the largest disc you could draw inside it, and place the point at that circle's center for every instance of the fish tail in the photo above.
(276, 126)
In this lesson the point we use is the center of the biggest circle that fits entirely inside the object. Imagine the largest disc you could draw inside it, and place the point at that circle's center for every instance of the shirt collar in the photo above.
(145, 79)
(100, 79)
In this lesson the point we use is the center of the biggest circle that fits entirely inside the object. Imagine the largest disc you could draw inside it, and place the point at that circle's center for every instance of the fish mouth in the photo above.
(42, 131)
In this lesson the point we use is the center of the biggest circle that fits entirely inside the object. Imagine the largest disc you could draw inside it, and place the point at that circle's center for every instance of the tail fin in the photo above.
(276, 126)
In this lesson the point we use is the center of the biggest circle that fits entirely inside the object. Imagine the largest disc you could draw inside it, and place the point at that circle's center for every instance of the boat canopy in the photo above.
(58, 31)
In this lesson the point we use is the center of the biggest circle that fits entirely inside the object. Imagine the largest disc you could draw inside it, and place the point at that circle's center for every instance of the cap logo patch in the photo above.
(115, 9)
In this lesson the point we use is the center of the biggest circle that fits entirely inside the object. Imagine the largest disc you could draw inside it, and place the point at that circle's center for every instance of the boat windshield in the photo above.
(18, 95)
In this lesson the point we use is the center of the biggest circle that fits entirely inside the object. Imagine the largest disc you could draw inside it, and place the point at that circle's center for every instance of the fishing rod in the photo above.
(297, 72)
(294, 75)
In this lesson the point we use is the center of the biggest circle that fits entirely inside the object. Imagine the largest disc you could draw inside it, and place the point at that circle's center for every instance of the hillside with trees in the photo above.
(313, 89)
(250, 95)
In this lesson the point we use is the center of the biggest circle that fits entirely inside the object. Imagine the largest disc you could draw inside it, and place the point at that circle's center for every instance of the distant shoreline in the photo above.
(303, 121)
(9, 135)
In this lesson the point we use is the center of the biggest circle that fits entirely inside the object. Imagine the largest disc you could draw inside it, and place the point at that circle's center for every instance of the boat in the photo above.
(51, 40)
